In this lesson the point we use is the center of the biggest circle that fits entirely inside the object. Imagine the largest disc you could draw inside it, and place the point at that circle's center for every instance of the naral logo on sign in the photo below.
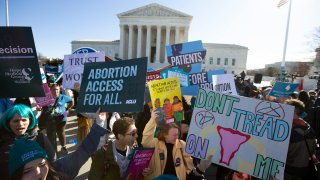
(131, 101)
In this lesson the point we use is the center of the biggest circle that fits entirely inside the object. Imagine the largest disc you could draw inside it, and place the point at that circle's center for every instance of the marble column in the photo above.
(158, 44)
(130, 42)
(139, 41)
(186, 31)
(148, 42)
(121, 54)
(177, 35)
(167, 40)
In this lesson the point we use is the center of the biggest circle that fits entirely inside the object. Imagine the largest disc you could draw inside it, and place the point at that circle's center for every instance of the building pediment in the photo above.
(153, 9)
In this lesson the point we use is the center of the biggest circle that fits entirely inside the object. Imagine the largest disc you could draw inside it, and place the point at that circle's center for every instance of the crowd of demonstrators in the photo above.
(110, 139)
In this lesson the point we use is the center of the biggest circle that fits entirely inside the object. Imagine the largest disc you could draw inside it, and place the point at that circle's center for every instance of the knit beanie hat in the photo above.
(24, 151)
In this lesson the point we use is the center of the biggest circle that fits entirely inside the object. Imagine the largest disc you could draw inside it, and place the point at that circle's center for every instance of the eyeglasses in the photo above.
(132, 134)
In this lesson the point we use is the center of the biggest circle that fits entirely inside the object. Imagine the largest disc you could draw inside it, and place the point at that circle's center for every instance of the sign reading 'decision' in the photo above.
(19, 70)
(114, 86)
(244, 134)
(73, 66)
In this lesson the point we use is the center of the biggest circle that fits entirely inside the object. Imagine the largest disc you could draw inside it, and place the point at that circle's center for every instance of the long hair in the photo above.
(23, 111)
(164, 131)
(53, 174)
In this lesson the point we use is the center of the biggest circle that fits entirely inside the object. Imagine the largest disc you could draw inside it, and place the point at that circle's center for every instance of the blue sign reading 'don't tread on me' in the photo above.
(283, 89)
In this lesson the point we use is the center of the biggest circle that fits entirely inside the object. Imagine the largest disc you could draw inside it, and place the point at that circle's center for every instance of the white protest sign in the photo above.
(245, 134)
(73, 66)
(224, 83)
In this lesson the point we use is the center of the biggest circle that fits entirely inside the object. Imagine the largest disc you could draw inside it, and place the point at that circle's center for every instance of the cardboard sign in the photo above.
(48, 99)
(140, 160)
(166, 99)
(244, 134)
(283, 89)
(224, 83)
(114, 86)
(19, 70)
(73, 67)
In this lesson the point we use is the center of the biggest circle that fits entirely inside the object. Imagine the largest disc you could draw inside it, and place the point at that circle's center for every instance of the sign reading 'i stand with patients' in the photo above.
(116, 86)
(19, 70)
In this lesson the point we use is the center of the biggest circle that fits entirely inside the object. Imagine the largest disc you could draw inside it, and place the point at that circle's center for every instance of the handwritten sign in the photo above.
(244, 134)
(176, 72)
(73, 66)
(224, 83)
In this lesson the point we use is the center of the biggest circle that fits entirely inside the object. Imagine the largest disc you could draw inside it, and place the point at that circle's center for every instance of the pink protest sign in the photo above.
(140, 161)
(48, 99)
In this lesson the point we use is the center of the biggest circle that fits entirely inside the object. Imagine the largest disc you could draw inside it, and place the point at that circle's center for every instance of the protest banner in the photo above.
(283, 89)
(20, 72)
(48, 99)
(114, 86)
(176, 72)
(224, 83)
(140, 160)
(166, 99)
(73, 66)
(244, 134)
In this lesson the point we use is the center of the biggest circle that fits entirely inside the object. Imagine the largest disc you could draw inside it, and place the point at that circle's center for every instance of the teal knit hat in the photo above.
(24, 151)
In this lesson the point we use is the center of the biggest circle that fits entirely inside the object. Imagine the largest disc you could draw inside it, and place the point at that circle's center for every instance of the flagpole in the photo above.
(7, 13)
(282, 68)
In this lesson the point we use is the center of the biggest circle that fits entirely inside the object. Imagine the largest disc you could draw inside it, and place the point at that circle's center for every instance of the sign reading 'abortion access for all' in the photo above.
(19, 70)
(73, 66)
(244, 134)
(114, 86)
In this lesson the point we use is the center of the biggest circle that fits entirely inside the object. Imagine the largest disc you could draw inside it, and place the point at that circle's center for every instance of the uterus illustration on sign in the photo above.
(230, 143)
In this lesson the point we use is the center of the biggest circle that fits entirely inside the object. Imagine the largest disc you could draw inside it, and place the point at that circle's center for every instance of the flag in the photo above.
(282, 2)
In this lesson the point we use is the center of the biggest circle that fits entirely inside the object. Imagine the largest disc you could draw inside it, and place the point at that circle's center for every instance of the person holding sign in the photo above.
(112, 160)
(58, 118)
(168, 157)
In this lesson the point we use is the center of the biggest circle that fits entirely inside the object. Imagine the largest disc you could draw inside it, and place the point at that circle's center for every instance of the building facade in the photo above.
(145, 31)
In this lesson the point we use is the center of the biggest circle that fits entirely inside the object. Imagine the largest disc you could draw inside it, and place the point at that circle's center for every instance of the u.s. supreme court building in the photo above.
(145, 31)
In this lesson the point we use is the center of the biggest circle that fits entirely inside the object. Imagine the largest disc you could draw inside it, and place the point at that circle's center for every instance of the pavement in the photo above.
(71, 136)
